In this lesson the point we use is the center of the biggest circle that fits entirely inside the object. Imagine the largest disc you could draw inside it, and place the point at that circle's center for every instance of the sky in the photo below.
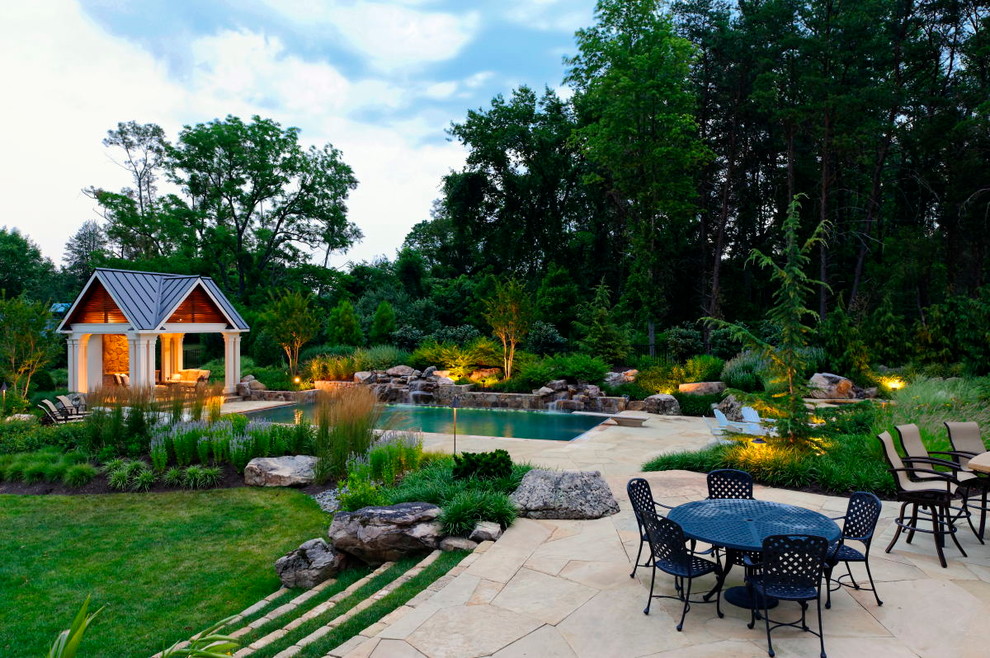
(380, 80)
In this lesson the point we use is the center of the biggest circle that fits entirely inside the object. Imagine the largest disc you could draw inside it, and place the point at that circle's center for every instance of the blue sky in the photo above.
(380, 80)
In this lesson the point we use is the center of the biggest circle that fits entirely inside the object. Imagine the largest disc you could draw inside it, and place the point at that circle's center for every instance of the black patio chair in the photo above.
(729, 483)
(669, 553)
(859, 524)
(643, 504)
(791, 569)
(930, 495)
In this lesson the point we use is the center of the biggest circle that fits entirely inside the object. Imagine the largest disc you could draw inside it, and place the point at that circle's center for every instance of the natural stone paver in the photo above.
(542, 597)
(544, 642)
(927, 611)
(470, 631)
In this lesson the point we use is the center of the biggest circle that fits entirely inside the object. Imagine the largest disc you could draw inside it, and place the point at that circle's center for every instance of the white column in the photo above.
(72, 345)
(179, 361)
(141, 351)
(231, 360)
(82, 364)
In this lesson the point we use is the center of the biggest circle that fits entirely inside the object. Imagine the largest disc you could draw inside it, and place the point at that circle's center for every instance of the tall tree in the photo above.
(509, 312)
(637, 123)
(28, 341)
(84, 250)
(23, 270)
(262, 197)
(290, 319)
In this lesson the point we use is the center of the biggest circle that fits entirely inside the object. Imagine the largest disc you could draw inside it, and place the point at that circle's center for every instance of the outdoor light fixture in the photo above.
(3, 389)
(456, 402)
(297, 379)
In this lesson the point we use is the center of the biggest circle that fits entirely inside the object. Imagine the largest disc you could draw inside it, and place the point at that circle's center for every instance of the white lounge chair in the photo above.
(721, 425)
(751, 418)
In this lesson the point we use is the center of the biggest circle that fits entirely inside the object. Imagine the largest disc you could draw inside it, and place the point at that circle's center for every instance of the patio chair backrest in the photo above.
(641, 498)
(911, 441)
(720, 417)
(667, 541)
(862, 515)
(50, 406)
(894, 459)
(965, 437)
(750, 415)
(793, 560)
(729, 483)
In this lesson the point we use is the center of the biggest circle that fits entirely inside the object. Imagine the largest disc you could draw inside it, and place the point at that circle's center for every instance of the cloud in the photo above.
(388, 36)
(68, 81)
(551, 15)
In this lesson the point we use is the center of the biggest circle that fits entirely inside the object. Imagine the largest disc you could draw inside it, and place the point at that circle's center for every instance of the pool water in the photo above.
(547, 425)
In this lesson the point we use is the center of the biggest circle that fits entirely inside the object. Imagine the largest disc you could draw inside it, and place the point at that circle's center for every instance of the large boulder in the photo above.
(400, 371)
(310, 564)
(731, 407)
(485, 531)
(564, 495)
(289, 471)
(826, 386)
(663, 404)
(702, 388)
(382, 534)
(364, 377)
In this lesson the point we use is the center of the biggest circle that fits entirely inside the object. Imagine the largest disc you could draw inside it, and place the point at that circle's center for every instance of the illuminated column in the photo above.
(141, 352)
(72, 345)
(231, 360)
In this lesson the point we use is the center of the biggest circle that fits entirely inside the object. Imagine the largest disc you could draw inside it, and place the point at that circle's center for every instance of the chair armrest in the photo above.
(955, 453)
(927, 475)
(658, 504)
(933, 461)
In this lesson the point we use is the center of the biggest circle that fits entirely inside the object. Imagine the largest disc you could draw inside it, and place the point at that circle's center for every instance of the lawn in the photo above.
(163, 565)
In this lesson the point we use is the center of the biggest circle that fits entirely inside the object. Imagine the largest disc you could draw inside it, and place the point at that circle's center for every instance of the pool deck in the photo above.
(562, 588)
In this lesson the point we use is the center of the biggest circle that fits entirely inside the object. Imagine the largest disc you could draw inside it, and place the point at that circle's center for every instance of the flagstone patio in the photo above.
(562, 588)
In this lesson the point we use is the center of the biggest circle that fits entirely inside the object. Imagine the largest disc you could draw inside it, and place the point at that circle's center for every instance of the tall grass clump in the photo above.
(346, 420)
(930, 402)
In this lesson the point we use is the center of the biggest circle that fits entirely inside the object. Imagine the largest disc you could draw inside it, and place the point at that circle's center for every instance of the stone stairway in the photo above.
(291, 614)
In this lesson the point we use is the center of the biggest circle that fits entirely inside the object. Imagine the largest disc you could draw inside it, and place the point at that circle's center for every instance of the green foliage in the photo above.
(290, 319)
(846, 349)
(462, 334)
(600, 335)
(343, 326)
(682, 342)
(482, 465)
(382, 325)
(28, 341)
(67, 643)
(201, 477)
(509, 311)
(787, 359)
(746, 372)
(469, 507)
(360, 490)
(79, 475)
(544, 339)
(697, 405)
(346, 420)
(394, 455)
(702, 368)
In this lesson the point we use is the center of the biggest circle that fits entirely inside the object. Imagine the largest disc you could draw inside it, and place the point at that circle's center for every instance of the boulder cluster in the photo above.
(560, 395)
(403, 384)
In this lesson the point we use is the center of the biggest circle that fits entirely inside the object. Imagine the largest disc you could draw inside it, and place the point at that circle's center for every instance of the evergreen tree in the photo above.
(291, 321)
(383, 324)
(343, 326)
(600, 335)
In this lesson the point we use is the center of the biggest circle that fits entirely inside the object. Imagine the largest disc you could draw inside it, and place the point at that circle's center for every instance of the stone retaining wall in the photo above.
(281, 396)
(489, 400)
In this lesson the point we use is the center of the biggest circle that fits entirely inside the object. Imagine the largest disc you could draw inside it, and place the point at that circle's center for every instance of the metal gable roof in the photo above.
(147, 298)
(225, 305)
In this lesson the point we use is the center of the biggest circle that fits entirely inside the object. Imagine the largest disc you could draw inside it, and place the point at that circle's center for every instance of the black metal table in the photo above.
(740, 525)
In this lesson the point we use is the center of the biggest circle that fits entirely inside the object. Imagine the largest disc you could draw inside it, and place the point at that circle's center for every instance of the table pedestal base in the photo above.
(739, 596)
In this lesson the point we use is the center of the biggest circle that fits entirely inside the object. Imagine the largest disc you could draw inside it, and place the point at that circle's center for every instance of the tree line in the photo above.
(687, 130)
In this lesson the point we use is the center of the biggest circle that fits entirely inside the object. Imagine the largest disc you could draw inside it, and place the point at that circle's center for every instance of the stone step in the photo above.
(360, 607)
(280, 611)
(313, 612)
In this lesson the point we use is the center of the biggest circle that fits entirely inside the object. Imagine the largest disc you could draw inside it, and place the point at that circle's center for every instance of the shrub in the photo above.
(683, 341)
(241, 449)
(467, 508)
(577, 368)
(118, 479)
(543, 338)
(143, 480)
(380, 357)
(746, 372)
(79, 475)
(459, 335)
(276, 379)
(663, 377)
(482, 465)
(697, 405)
(346, 420)
(55, 470)
(201, 477)
(35, 470)
(394, 455)
(702, 368)
(408, 337)
(360, 490)
(174, 477)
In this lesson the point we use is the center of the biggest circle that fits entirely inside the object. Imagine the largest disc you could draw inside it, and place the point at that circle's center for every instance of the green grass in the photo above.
(163, 565)
(356, 597)
(395, 599)
(343, 580)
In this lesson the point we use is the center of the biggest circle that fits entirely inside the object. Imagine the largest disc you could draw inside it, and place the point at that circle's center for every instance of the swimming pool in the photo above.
(547, 425)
